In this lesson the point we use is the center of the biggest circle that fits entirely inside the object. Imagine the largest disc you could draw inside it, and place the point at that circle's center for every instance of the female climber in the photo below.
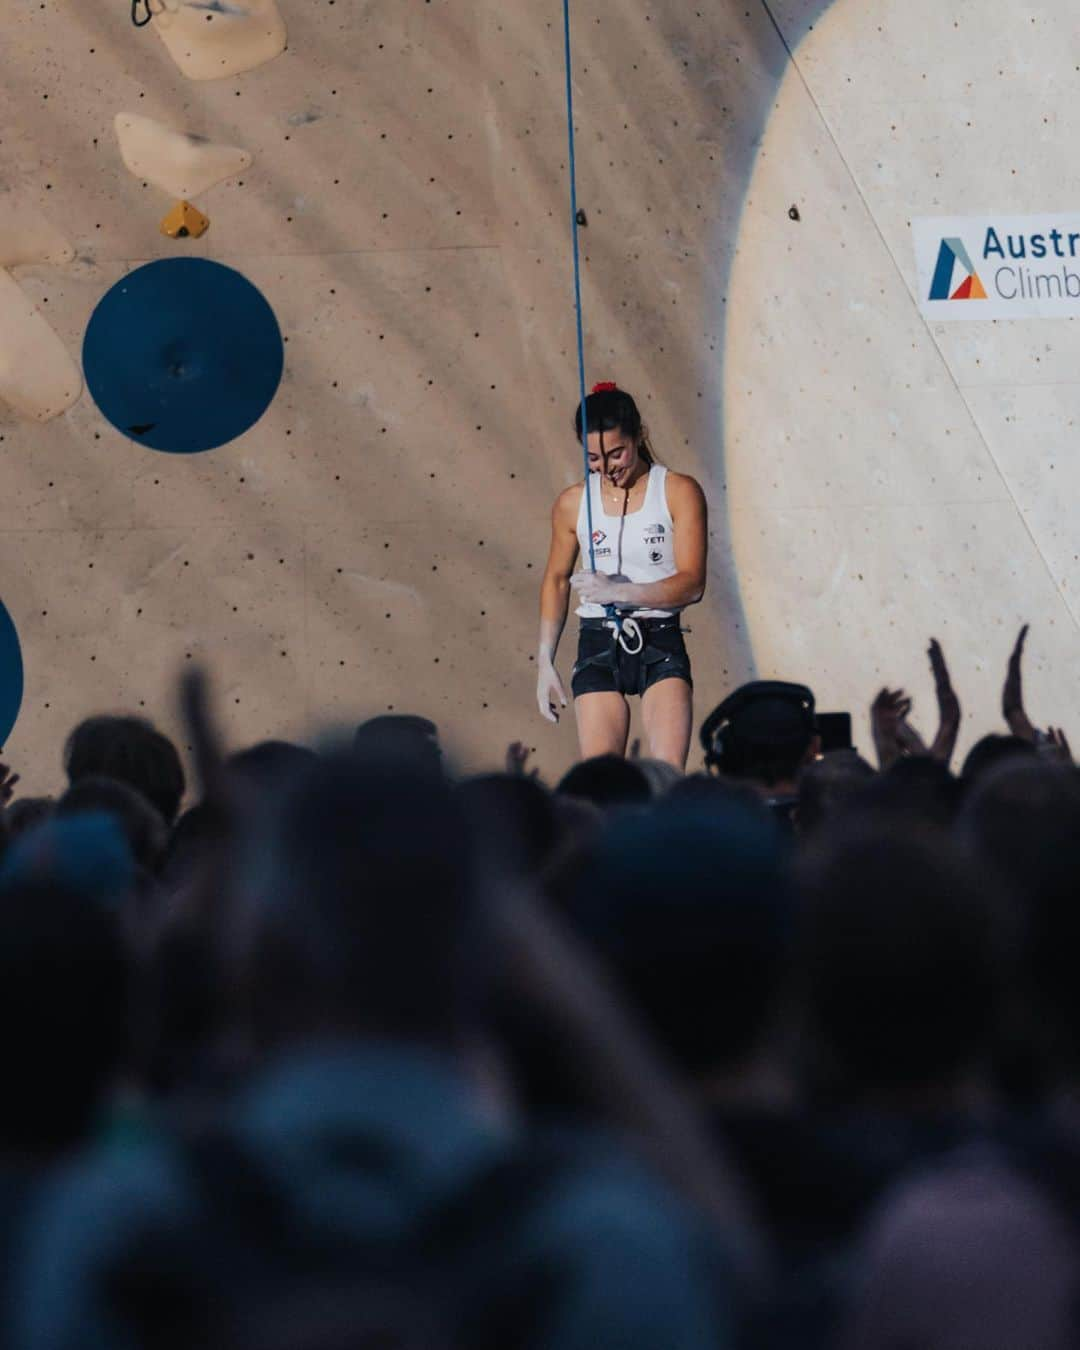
(650, 537)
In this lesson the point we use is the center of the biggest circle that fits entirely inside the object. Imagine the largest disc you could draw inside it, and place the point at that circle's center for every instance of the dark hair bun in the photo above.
(609, 408)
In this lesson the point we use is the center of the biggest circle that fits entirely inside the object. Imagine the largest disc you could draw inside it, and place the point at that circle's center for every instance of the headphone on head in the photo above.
(717, 731)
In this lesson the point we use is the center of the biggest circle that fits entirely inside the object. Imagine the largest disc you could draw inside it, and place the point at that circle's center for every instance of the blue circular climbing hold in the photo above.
(183, 355)
(11, 675)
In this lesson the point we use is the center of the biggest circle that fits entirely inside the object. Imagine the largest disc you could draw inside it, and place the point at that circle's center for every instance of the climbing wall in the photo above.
(393, 186)
(375, 541)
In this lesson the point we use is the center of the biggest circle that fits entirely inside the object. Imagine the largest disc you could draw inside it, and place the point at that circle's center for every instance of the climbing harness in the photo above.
(627, 630)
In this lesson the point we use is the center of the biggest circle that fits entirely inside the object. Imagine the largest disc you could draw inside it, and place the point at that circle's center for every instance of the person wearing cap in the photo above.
(764, 735)
(648, 545)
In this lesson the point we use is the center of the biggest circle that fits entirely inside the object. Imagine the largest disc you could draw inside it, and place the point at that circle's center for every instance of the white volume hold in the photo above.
(38, 377)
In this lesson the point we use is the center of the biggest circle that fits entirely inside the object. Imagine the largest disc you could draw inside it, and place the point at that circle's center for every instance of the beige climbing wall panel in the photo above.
(217, 39)
(180, 163)
(38, 378)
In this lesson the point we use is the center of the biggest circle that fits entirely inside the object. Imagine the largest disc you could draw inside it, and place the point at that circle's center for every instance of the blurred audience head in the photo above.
(764, 734)
(360, 881)
(133, 751)
(579, 822)
(660, 776)
(915, 790)
(193, 837)
(515, 823)
(689, 906)
(26, 812)
(64, 991)
(606, 781)
(899, 957)
(706, 790)
(400, 734)
(86, 853)
(141, 824)
(267, 765)
(1022, 819)
(829, 786)
(985, 755)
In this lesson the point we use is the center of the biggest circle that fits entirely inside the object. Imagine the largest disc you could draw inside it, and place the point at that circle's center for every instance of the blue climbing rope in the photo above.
(577, 275)
(621, 626)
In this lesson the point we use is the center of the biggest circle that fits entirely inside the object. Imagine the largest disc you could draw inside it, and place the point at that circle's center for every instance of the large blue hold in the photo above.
(11, 676)
(183, 355)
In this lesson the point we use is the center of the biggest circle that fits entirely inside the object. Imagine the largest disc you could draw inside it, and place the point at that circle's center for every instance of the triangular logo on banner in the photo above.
(952, 255)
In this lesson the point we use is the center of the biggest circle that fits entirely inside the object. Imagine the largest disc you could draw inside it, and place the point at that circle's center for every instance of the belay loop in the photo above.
(628, 631)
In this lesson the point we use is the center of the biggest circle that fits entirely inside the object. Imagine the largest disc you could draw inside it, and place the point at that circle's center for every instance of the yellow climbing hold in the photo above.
(185, 221)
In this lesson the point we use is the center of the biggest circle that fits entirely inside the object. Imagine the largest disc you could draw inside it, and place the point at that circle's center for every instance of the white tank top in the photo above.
(638, 547)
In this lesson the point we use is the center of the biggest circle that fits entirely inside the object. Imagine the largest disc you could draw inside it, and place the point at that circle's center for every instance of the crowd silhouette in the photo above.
(338, 1049)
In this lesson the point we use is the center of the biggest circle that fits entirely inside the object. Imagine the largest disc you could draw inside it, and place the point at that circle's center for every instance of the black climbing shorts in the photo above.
(603, 667)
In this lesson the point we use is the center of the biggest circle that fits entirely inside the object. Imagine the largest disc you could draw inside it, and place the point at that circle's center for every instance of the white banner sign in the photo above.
(998, 267)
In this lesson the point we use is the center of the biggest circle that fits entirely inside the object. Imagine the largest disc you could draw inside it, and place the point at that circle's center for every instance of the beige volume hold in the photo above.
(180, 163)
(38, 377)
(215, 39)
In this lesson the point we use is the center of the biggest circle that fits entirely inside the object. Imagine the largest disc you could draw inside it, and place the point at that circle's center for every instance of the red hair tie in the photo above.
(606, 387)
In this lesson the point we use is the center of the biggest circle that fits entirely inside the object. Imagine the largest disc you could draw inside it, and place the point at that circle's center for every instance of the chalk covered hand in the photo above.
(550, 692)
(597, 588)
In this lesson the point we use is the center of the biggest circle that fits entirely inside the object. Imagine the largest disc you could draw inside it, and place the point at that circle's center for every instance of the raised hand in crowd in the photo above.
(1054, 746)
(888, 714)
(909, 740)
(890, 719)
(8, 780)
(517, 761)
(948, 706)
(1012, 696)
(1051, 744)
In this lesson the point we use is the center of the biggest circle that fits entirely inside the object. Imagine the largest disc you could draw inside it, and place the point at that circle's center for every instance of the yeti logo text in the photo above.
(954, 253)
